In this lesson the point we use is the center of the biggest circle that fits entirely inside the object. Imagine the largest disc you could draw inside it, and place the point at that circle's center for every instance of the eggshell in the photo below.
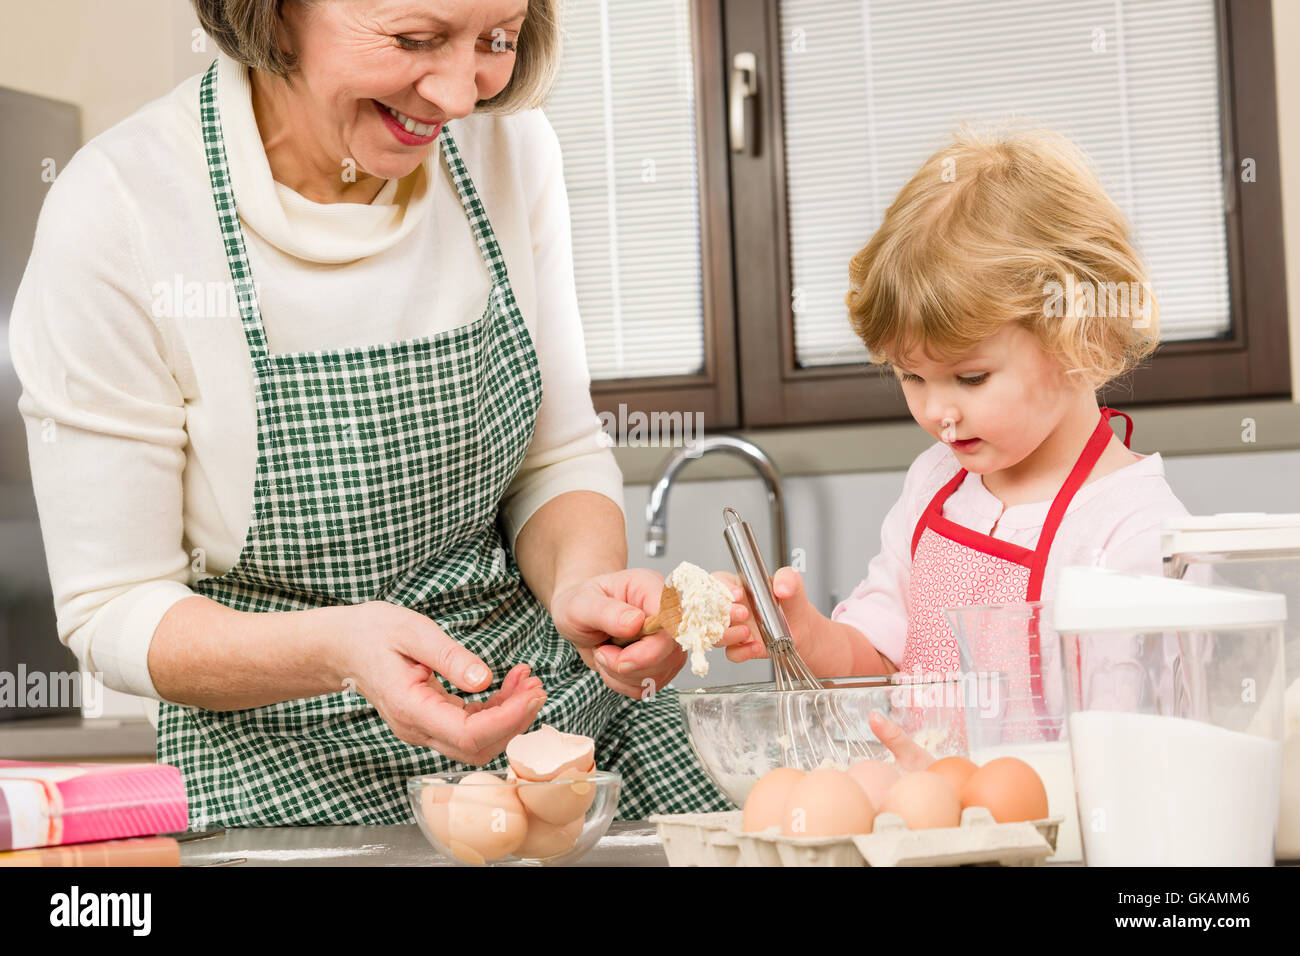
(556, 803)
(485, 820)
(545, 840)
(434, 801)
(766, 800)
(925, 801)
(827, 803)
(876, 778)
(546, 753)
(956, 770)
(1010, 788)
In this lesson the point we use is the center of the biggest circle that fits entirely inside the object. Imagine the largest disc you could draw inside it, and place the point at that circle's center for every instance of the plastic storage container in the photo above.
(1261, 552)
(1174, 704)
(1018, 708)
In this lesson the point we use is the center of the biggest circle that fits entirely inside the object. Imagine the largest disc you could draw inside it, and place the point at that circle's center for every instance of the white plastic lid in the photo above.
(1245, 531)
(1099, 599)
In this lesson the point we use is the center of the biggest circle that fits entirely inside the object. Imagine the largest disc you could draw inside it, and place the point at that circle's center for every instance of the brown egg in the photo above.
(827, 803)
(766, 799)
(1010, 788)
(956, 770)
(875, 777)
(925, 801)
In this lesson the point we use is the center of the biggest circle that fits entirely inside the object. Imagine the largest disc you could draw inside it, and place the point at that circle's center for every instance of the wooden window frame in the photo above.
(1250, 363)
(713, 392)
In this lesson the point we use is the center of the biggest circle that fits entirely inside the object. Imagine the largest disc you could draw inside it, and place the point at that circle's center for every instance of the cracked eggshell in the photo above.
(545, 840)
(434, 803)
(546, 753)
(557, 803)
(485, 820)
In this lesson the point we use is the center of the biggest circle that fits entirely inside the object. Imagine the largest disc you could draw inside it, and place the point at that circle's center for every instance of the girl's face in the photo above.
(431, 60)
(996, 404)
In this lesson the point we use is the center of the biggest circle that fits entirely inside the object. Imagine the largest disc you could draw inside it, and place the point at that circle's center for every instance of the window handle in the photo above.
(744, 86)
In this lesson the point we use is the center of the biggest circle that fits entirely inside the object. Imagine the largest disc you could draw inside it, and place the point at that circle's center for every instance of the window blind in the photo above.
(873, 87)
(624, 111)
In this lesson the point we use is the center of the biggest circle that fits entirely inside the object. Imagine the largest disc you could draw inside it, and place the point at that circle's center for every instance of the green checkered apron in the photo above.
(379, 474)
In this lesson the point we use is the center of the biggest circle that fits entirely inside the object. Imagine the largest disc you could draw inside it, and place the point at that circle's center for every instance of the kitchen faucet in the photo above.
(656, 509)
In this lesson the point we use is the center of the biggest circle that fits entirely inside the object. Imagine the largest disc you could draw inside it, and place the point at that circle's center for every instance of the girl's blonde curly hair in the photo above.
(1008, 225)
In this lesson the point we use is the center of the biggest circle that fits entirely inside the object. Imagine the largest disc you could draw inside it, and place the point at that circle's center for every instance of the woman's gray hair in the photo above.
(245, 31)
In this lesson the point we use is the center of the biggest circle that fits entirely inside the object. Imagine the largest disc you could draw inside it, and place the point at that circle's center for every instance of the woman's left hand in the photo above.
(616, 605)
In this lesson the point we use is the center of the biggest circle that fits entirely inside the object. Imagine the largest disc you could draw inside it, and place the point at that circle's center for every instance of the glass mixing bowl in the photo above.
(491, 815)
(741, 731)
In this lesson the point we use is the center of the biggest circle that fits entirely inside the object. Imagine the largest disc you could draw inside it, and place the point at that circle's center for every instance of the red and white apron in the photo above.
(953, 566)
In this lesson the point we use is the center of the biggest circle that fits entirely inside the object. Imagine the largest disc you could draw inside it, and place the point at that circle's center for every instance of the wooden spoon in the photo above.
(668, 619)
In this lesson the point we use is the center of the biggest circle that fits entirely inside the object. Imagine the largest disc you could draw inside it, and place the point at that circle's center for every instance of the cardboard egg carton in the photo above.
(716, 839)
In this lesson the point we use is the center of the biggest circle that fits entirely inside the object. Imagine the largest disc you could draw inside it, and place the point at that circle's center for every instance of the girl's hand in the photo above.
(742, 640)
(391, 655)
(908, 754)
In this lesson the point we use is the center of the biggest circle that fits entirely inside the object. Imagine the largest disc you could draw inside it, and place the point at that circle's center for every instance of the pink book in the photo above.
(49, 804)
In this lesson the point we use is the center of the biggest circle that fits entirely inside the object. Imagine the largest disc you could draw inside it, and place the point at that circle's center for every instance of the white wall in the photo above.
(110, 57)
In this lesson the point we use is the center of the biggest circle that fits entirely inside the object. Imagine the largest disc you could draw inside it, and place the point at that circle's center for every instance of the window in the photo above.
(651, 255)
(835, 103)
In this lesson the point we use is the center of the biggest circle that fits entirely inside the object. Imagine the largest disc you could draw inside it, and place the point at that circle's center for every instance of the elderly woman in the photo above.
(310, 423)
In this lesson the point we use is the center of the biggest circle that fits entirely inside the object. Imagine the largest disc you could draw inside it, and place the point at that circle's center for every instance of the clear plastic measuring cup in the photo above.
(1011, 660)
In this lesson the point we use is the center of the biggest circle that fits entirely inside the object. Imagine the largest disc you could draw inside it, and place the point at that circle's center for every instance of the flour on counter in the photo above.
(630, 839)
(322, 853)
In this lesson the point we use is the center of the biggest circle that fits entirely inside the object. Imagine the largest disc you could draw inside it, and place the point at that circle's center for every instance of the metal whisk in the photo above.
(811, 727)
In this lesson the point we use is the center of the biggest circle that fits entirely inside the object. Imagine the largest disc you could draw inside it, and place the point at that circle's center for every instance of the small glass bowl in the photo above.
(489, 820)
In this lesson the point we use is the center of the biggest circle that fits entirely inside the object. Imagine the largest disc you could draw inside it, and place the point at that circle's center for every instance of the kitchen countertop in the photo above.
(628, 843)
(72, 736)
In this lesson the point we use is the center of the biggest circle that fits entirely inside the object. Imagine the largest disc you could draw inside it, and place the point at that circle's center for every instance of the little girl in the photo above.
(993, 290)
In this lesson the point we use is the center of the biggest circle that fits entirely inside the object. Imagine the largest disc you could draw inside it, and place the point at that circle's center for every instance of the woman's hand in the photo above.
(390, 655)
(588, 614)
(743, 642)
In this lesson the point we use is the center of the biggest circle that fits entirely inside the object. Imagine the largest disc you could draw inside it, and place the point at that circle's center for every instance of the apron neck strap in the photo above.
(1108, 413)
(233, 237)
(474, 209)
(223, 195)
(1101, 436)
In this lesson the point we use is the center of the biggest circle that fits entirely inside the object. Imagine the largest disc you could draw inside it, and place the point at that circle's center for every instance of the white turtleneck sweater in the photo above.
(139, 402)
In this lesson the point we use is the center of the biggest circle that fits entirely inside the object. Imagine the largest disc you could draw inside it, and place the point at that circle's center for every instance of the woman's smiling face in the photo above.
(431, 60)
